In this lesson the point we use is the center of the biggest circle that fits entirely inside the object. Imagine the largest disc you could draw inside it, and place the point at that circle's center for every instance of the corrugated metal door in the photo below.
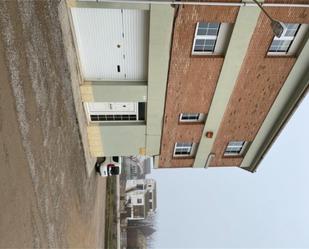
(112, 43)
(136, 32)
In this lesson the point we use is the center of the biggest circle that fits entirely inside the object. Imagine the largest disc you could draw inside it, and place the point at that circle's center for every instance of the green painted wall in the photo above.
(123, 140)
(120, 91)
(161, 25)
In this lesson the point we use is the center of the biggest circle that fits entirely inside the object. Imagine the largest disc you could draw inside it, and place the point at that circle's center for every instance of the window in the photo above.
(192, 117)
(184, 149)
(283, 44)
(234, 148)
(116, 111)
(211, 38)
(205, 37)
(189, 116)
(140, 186)
(118, 117)
(139, 200)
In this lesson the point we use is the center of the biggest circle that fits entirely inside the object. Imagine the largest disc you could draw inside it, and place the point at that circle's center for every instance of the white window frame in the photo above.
(120, 118)
(114, 114)
(296, 41)
(240, 145)
(221, 39)
(192, 117)
(189, 146)
(204, 37)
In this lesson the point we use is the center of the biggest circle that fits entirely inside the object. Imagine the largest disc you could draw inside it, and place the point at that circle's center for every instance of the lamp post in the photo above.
(276, 26)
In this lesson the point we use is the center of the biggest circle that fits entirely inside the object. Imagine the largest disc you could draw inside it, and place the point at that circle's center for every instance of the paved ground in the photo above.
(46, 196)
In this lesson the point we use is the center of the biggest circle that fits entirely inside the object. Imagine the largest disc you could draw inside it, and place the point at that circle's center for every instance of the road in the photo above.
(47, 198)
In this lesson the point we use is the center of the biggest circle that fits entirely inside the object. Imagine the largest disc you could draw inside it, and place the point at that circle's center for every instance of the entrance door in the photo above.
(113, 111)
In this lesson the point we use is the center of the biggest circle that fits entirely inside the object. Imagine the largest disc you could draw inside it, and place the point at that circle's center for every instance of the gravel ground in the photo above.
(47, 197)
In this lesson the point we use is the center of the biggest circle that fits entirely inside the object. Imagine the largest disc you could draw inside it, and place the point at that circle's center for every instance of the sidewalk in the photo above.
(76, 81)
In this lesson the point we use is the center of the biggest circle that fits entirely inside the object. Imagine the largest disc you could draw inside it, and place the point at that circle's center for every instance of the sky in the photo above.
(232, 208)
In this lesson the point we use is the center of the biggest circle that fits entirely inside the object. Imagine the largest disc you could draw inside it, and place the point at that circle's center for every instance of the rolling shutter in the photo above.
(112, 43)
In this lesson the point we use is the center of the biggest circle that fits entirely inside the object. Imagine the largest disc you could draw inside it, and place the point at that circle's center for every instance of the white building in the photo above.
(140, 198)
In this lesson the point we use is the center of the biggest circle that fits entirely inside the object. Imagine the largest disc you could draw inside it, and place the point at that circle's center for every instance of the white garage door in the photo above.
(112, 43)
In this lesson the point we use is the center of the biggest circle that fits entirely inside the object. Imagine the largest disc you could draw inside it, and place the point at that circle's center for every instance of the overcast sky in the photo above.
(232, 208)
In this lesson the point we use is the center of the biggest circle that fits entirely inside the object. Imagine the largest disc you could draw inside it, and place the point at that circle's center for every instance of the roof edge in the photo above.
(278, 129)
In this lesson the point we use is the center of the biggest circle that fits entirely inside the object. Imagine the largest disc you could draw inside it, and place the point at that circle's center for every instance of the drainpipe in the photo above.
(229, 4)
(210, 156)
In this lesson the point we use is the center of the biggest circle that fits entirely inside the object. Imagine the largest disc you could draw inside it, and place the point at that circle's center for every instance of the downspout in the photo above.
(209, 158)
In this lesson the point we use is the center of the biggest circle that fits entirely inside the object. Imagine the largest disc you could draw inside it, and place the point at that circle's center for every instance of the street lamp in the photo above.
(276, 26)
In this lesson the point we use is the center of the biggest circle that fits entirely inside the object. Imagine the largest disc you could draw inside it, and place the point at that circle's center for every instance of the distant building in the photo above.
(131, 167)
(141, 198)
(137, 167)
(152, 189)
(147, 165)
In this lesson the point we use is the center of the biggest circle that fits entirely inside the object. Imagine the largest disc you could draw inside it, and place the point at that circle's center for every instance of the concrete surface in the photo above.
(76, 80)
(47, 197)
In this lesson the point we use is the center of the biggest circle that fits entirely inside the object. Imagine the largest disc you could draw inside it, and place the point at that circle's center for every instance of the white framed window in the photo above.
(189, 117)
(211, 38)
(192, 117)
(235, 148)
(205, 38)
(183, 149)
(290, 41)
(282, 44)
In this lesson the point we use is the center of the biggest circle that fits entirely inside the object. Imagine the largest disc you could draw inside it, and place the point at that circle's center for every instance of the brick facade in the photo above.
(192, 80)
(259, 82)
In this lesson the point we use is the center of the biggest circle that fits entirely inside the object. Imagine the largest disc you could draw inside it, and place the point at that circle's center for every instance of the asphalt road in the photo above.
(46, 196)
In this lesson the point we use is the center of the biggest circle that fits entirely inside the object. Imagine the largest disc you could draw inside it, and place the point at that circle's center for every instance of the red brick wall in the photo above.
(258, 84)
(191, 81)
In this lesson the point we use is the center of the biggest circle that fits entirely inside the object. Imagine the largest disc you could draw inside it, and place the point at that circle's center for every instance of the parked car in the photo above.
(108, 166)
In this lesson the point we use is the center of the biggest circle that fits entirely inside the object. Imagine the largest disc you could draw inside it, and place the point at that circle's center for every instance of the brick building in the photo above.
(192, 84)
(224, 106)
